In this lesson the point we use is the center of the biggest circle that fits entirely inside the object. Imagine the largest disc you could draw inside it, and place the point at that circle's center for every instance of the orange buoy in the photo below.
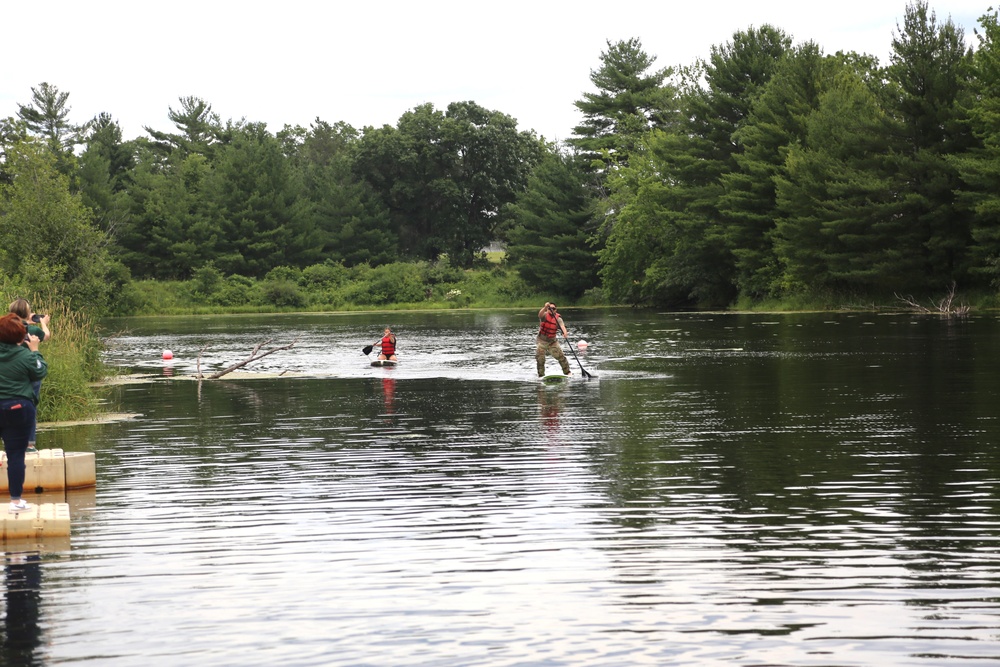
(167, 354)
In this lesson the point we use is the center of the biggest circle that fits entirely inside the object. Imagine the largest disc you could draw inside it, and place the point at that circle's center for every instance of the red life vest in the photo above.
(550, 325)
(389, 345)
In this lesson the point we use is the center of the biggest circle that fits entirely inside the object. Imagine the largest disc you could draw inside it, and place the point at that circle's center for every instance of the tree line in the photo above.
(764, 171)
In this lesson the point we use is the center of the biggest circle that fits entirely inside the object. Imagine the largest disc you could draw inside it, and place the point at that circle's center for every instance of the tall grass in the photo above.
(73, 355)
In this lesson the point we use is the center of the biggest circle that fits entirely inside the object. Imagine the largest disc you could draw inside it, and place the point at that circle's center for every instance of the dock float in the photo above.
(35, 523)
(52, 470)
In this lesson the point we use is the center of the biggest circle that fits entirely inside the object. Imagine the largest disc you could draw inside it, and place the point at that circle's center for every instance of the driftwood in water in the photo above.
(255, 355)
(946, 306)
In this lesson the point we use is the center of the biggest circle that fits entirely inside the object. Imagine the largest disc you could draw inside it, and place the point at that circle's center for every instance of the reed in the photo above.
(73, 355)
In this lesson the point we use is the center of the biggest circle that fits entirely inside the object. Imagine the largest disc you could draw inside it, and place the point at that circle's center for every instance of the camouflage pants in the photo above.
(551, 347)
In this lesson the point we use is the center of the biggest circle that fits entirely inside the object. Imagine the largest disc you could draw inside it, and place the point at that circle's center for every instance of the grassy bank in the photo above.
(73, 355)
(437, 285)
(330, 287)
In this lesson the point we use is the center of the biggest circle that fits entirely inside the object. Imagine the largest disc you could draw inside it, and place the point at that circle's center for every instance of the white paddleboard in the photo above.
(384, 362)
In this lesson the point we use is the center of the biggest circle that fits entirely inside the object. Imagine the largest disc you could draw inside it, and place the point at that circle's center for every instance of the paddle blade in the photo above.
(367, 349)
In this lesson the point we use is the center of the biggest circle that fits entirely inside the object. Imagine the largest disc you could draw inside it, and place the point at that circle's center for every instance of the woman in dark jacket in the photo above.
(20, 365)
(37, 325)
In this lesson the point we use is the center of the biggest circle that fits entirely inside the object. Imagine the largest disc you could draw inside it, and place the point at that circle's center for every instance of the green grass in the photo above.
(73, 356)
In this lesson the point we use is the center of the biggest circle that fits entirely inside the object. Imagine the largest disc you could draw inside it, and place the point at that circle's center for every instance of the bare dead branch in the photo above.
(198, 363)
(255, 355)
(946, 306)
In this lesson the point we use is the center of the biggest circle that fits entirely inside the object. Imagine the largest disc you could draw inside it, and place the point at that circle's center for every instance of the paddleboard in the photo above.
(555, 378)
(384, 362)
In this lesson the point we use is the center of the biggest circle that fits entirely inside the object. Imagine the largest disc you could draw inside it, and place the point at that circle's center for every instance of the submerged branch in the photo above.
(946, 306)
(255, 355)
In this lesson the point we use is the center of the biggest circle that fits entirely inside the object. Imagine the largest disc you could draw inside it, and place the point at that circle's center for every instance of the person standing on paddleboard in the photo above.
(388, 344)
(547, 343)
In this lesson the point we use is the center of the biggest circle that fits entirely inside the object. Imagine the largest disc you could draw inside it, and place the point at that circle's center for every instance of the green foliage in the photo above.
(237, 291)
(73, 355)
(74, 359)
(200, 130)
(323, 276)
(282, 293)
(763, 171)
(666, 243)
(207, 280)
(748, 206)
(389, 283)
(929, 75)
(549, 244)
(446, 177)
(47, 235)
(398, 285)
(979, 166)
(47, 117)
(840, 226)
(262, 219)
(630, 101)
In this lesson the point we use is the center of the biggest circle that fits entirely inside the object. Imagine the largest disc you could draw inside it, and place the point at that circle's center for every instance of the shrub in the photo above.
(389, 283)
(323, 276)
(283, 274)
(206, 280)
(236, 291)
(282, 293)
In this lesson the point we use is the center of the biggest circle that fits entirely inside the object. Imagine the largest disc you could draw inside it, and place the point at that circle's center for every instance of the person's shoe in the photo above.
(19, 506)
(31, 450)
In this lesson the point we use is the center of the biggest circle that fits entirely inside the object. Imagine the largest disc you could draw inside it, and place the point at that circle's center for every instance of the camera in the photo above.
(36, 318)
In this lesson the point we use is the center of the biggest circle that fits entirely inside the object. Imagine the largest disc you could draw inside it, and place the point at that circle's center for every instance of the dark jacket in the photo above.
(19, 367)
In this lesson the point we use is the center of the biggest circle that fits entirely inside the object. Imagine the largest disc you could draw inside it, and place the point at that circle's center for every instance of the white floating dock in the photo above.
(35, 523)
(52, 470)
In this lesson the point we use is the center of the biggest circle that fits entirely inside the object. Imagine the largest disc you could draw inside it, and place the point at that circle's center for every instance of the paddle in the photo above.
(367, 349)
(582, 369)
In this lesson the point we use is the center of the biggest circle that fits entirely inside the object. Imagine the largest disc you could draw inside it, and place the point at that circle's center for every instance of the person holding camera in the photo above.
(551, 324)
(36, 325)
(21, 364)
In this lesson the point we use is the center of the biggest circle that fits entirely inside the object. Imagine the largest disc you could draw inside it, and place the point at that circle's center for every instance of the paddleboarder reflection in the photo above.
(22, 634)
(389, 395)
(550, 405)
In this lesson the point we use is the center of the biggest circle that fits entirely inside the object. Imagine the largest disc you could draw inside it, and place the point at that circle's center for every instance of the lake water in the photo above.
(804, 489)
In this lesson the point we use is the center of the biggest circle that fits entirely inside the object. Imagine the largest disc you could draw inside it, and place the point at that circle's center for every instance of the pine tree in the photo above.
(549, 246)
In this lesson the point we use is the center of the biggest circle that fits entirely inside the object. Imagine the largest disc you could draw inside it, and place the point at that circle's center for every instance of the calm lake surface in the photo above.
(804, 489)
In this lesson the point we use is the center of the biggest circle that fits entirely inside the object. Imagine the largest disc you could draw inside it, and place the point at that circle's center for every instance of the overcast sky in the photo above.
(366, 63)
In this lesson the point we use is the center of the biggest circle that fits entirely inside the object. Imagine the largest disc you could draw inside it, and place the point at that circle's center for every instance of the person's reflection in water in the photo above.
(389, 395)
(550, 405)
(22, 634)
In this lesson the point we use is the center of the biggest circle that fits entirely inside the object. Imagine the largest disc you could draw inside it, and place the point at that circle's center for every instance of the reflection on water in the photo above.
(794, 490)
(21, 632)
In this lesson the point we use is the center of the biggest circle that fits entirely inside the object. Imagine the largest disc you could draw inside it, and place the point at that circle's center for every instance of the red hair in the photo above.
(12, 329)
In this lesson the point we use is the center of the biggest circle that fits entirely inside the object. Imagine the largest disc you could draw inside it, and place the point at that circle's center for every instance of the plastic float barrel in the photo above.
(81, 469)
(53, 469)
(45, 470)
(38, 522)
